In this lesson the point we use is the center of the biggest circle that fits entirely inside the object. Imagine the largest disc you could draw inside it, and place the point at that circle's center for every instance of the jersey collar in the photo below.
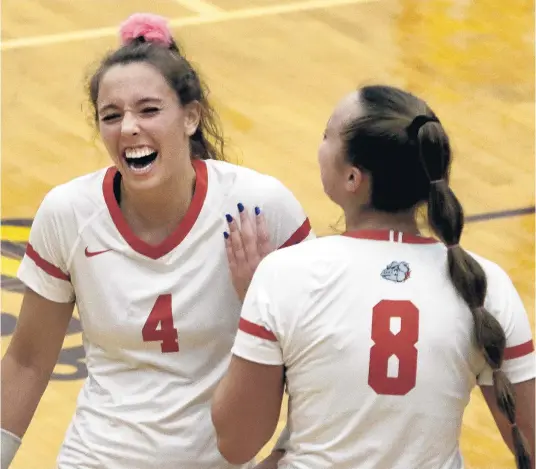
(183, 228)
(390, 235)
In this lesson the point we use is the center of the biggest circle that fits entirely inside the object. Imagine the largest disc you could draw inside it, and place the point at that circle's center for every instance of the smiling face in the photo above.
(143, 125)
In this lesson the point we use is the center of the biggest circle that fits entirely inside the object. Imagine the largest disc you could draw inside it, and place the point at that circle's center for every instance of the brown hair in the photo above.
(400, 142)
(207, 142)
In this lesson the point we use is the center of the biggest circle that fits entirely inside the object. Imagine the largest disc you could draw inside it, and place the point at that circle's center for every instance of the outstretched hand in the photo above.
(246, 246)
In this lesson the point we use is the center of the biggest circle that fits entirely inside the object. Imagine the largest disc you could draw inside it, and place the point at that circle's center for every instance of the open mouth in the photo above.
(140, 159)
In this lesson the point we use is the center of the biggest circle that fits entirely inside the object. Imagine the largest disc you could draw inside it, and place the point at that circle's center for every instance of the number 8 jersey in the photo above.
(158, 321)
(378, 348)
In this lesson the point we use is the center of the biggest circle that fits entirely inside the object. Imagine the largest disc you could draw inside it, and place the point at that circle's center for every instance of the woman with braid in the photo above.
(379, 334)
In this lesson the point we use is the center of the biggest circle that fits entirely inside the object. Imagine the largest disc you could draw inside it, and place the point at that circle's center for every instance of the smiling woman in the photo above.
(139, 248)
(153, 115)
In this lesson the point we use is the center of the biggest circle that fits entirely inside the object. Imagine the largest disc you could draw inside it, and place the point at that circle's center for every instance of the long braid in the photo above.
(446, 218)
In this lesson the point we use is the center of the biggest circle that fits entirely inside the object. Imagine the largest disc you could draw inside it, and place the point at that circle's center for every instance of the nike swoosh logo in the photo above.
(88, 253)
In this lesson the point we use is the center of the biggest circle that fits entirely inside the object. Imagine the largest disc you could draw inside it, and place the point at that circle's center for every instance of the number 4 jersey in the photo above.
(158, 321)
(378, 348)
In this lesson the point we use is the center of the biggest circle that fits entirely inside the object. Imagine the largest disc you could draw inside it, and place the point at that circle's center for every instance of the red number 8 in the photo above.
(387, 344)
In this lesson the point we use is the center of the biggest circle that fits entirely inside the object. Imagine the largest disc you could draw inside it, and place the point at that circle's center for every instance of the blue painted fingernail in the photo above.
(225, 234)
(229, 218)
(257, 210)
(240, 207)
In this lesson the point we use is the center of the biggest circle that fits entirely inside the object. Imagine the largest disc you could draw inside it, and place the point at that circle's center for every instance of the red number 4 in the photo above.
(387, 344)
(167, 335)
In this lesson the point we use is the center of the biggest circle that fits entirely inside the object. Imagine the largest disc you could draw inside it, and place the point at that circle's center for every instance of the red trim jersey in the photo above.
(158, 321)
(378, 348)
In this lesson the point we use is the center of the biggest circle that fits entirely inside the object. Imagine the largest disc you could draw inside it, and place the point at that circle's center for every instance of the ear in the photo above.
(192, 117)
(354, 179)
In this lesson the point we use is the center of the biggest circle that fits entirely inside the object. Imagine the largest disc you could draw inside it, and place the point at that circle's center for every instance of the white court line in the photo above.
(220, 17)
(201, 7)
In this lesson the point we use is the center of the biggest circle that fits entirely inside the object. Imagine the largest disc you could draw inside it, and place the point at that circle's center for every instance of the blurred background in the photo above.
(276, 69)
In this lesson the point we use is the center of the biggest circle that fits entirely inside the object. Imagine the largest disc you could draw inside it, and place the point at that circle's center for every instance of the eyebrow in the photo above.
(138, 103)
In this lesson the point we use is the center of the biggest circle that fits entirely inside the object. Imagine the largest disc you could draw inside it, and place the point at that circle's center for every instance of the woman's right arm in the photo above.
(29, 361)
(30, 358)
(524, 395)
(519, 363)
(46, 311)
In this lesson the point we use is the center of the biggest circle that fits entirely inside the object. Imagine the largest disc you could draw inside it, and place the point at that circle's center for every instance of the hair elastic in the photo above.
(413, 128)
(153, 28)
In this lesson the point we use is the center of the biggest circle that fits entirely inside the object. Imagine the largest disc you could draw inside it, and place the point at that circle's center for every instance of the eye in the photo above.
(150, 110)
(110, 117)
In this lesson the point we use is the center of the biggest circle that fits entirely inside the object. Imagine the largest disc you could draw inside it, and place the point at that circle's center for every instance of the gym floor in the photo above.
(276, 69)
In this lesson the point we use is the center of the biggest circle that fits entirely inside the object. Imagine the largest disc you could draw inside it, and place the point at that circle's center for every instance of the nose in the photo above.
(129, 124)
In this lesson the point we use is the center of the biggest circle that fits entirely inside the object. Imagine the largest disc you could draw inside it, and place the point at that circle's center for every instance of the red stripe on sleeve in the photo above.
(49, 268)
(256, 330)
(299, 235)
(518, 350)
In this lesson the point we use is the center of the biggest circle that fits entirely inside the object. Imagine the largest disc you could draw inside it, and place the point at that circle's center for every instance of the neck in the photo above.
(160, 208)
(375, 220)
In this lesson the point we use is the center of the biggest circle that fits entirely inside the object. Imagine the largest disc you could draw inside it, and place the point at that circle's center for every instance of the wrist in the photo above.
(9, 446)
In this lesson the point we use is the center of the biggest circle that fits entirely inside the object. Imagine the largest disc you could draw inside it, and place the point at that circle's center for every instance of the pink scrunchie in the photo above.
(152, 27)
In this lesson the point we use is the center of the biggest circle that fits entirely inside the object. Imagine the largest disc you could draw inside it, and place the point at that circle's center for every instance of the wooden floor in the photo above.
(276, 69)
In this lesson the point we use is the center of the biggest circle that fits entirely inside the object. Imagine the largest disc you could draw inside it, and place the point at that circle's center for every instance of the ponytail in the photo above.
(146, 38)
(446, 219)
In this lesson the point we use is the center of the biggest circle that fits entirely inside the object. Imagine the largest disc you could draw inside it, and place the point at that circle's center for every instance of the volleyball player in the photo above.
(139, 249)
(382, 333)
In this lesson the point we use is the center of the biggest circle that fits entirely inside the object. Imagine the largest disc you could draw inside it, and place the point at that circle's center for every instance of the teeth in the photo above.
(139, 152)
(142, 170)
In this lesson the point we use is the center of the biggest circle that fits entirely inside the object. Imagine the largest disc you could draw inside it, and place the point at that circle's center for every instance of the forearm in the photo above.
(21, 391)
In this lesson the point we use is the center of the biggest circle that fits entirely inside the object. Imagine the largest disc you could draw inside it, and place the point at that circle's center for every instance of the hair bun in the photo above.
(150, 27)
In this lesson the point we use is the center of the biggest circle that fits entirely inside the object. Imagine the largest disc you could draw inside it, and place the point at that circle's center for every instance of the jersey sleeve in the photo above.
(519, 359)
(285, 217)
(257, 336)
(44, 265)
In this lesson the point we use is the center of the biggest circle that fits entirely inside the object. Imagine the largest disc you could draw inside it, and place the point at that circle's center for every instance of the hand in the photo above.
(271, 461)
(246, 247)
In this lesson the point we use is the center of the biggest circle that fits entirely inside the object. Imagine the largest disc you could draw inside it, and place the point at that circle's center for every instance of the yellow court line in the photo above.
(9, 267)
(201, 7)
(15, 234)
(216, 17)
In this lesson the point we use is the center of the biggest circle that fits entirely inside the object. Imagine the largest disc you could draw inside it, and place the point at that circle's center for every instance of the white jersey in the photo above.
(158, 321)
(378, 348)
